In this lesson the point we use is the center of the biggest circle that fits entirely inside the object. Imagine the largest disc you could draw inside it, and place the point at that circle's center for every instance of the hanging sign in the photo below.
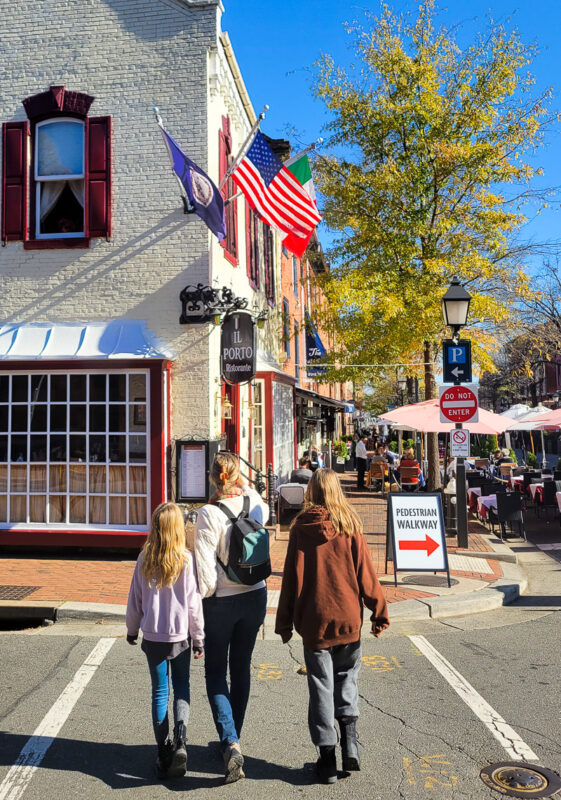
(238, 348)
(459, 443)
(415, 539)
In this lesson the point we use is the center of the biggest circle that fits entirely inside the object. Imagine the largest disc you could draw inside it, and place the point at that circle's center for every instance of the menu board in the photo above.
(193, 481)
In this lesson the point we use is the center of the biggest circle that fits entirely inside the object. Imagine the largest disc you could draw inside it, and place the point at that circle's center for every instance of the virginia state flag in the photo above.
(203, 195)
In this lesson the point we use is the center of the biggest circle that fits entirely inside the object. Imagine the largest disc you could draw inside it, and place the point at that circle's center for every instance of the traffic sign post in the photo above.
(415, 536)
(456, 361)
(460, 404)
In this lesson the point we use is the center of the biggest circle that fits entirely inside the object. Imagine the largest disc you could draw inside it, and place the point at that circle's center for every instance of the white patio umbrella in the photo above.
(528, 422)
(515, 412)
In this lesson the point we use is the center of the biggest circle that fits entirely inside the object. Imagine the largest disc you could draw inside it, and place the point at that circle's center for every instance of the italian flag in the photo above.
(300, 168)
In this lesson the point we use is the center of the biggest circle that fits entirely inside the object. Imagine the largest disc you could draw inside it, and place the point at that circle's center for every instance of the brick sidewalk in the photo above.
(107, 579)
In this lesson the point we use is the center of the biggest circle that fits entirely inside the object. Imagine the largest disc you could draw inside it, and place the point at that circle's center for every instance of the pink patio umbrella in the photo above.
(425, 418)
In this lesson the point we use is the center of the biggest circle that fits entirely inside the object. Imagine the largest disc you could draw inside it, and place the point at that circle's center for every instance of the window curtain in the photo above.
(52, 190)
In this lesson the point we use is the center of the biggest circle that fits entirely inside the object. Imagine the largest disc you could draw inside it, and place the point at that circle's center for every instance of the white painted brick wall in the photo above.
(130, 55)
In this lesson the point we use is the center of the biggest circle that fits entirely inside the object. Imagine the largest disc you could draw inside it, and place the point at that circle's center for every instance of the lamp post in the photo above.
(401, 386)
(455, 308)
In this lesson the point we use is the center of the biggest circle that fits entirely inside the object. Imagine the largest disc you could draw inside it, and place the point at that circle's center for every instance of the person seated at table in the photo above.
(379, 457)
(502, 458)
(389, 455)
(303, 473)
(408, 460)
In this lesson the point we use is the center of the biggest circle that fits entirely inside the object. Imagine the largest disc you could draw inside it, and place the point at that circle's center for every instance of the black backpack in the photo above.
(248, 558)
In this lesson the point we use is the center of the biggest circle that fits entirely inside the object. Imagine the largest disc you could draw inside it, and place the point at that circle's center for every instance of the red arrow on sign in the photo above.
(418, 544)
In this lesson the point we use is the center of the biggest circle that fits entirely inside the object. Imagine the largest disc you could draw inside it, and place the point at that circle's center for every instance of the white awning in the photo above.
(80, 340)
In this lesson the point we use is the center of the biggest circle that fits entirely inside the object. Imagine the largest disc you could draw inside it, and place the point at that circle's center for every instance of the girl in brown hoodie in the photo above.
(328, 577)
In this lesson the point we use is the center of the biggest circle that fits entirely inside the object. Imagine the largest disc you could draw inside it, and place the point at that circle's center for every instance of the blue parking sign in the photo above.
(456, 361)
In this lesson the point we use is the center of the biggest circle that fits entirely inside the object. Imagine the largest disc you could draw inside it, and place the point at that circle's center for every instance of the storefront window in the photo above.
(74, 449)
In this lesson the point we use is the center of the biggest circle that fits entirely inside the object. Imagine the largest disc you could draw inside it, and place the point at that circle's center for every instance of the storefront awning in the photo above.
(80, 340)
(330, 402)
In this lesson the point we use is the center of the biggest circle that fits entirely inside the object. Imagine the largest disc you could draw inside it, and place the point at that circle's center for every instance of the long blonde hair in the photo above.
(164, 549)
(225, 472)
(324, 490)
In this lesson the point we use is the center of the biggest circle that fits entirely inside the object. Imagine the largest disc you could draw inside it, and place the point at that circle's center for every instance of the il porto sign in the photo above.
(458, 404)
(238, 348)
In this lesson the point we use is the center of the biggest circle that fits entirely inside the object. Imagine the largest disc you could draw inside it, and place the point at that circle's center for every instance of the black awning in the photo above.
(319, 398)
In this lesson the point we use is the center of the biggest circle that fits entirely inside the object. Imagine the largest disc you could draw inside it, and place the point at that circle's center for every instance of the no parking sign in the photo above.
(459, 443)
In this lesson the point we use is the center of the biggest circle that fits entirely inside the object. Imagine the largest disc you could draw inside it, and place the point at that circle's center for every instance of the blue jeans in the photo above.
(231, 627)
(159, 674)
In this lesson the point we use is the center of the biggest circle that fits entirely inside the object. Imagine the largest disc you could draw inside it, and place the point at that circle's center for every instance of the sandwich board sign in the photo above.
(415, 536)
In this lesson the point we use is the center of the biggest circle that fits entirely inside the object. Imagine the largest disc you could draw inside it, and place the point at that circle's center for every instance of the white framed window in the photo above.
(258, 442)
(59, 173)
(75, 449)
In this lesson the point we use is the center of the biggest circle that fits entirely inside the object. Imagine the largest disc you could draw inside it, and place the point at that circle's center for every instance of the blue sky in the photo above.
(277, 43)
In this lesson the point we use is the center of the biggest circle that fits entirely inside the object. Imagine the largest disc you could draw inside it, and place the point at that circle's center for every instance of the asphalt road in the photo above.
(419, 737)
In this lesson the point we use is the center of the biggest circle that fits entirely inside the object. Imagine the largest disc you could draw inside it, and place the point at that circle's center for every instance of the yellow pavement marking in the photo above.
(428, 771)
(381, 663)
(269, 672)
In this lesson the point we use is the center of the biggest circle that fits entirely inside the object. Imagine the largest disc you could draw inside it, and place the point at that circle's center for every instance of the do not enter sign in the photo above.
(458, 404)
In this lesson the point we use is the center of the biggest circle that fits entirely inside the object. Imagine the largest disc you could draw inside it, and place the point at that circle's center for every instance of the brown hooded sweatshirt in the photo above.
(328, 578)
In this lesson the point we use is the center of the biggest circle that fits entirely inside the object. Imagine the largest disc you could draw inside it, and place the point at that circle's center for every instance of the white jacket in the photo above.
(213, 538)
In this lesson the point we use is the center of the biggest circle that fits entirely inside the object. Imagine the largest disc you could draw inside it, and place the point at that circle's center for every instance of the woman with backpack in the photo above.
(328, 577)
(234, 606)
(164, 601)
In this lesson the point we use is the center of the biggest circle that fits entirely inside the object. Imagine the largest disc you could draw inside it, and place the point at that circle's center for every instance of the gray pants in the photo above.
(333, 687)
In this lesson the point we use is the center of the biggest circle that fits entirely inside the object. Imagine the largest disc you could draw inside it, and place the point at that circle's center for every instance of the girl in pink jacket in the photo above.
(165, 603)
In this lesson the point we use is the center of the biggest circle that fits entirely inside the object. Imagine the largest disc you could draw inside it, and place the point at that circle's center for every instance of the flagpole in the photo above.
(186, 204)
(303, 152)
(249, 136)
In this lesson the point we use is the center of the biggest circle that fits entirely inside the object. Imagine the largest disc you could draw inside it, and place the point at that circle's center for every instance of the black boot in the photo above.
(349, 744)
(178, 765)
(165, 756)
(326, 765)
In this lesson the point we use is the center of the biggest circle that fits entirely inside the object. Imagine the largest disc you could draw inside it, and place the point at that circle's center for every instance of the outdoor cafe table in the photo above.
(485, 503)
(558, 498)
(515, 480)
(473, 494)
(535, 487)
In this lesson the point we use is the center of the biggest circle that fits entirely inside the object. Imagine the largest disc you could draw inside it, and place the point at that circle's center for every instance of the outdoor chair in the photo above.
(409, 477)
(509, 511)
(482, 463)
(378, 474)
(290, 500)
(547, 497)
(505, 470)
(475, 479)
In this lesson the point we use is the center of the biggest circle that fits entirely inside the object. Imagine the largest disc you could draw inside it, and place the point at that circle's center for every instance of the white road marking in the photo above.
(15, 783)
(516, 748)
(554, 546)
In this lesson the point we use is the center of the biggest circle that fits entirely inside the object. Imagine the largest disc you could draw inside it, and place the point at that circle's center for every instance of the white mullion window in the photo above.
(59, 173)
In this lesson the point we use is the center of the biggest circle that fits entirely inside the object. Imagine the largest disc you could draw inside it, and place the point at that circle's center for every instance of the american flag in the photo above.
(276, 196)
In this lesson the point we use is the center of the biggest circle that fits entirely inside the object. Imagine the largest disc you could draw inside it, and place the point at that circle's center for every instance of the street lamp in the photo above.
(401, 385)
(455, 307)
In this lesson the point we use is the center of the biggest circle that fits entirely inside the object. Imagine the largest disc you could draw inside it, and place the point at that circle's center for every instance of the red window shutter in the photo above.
(14, 181)
(98, 177)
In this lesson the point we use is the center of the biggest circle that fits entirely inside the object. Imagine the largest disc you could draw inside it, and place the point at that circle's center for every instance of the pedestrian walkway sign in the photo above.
(456, 361)
(415, 534)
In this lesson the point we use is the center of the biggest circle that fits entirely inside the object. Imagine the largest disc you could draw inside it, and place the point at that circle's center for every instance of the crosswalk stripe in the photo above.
(516, 748)
(20, 773)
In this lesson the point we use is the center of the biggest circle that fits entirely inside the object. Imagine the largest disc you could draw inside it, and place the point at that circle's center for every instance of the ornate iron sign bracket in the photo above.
(201, 304)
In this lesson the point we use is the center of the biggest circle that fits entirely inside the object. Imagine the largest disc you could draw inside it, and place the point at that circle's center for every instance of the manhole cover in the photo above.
(16, 592)
(520, 779)
(429, 580)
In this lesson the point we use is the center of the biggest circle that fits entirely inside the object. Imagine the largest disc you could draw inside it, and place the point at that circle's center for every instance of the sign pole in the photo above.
(461, 499)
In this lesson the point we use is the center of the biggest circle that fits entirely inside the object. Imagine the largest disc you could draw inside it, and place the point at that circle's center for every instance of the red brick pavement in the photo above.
(106, 579)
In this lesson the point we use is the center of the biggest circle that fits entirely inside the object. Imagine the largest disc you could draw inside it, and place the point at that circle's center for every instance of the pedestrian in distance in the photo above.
(361, 461)
(233, 610)
(165, 603)
(328, 578)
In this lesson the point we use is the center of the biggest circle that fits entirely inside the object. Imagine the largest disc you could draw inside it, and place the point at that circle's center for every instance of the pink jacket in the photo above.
(170, 614)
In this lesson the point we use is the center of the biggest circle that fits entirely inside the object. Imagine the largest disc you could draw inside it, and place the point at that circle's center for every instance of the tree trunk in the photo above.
(434, 482)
